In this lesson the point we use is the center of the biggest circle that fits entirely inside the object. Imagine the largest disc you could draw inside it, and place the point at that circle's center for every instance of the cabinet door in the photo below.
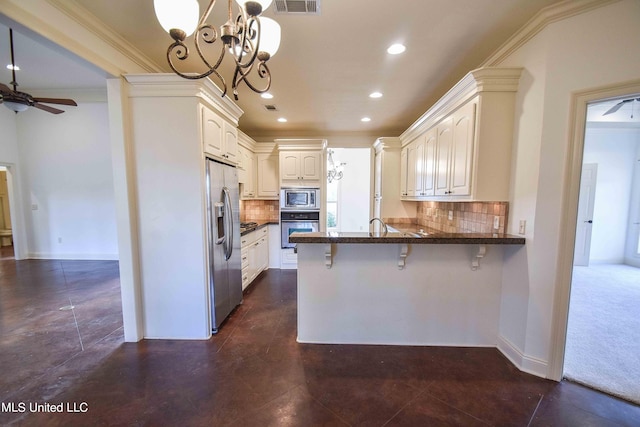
(429, 163)
(249, 175)
(443, 153)
(310, 166)
(289, 166)
(411, 170)
(230, 143)
(404, 171)
(253, 261)
(418, 164)
(212, 133)
(263, 254)
(267, 176)
(462, 151)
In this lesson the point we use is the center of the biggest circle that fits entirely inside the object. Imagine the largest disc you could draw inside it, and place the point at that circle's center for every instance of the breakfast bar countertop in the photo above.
(408, 234)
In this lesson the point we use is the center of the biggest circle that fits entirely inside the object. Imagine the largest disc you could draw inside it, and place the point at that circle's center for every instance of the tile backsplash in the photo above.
(467, 217)
(264, 210)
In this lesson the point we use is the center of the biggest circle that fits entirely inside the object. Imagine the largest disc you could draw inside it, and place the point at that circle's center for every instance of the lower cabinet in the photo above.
(254, 254)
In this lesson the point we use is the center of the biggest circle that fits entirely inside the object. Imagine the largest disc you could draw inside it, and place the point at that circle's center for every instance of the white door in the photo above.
(585, 214)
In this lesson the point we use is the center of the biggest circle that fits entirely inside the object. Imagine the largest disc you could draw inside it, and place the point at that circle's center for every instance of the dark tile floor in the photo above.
(253, 373)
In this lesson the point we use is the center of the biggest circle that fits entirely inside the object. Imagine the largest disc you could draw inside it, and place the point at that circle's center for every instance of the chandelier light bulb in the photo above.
(178, 14)
(252, 9)
(270, 37)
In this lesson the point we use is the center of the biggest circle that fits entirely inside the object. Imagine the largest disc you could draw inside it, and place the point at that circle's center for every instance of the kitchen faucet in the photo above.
(384, 226)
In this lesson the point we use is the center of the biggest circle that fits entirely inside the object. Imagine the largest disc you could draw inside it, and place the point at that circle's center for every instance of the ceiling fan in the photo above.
(19, 101)
(619, 105)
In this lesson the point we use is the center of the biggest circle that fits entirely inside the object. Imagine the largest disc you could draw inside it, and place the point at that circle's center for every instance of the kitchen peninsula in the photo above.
(401, 287)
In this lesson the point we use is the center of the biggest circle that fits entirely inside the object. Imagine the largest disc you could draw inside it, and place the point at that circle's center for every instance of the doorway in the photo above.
(603, 330)
(7, 233)
(348, 194)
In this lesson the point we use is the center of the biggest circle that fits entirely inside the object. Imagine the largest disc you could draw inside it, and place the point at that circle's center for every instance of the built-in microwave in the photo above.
(299, 198)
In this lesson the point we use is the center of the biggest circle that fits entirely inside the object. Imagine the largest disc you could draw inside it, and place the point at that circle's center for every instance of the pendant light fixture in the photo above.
(251, 40)
(335, 171)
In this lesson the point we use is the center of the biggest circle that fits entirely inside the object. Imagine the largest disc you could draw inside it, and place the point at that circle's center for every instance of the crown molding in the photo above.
(387, 143)
(489, 79)
(301, 144)
(92, 24)
(539, 22)
(163, 85)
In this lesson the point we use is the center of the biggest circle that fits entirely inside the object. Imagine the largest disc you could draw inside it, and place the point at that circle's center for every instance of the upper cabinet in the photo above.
(267, 176)
(461, 148)
(219, 137)
(300, 167)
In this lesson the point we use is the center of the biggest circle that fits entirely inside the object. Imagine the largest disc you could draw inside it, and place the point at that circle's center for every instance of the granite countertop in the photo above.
(408, 234)
(259, 224)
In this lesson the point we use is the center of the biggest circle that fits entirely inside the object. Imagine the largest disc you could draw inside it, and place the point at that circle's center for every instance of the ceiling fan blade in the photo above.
(47, 108)
(56, 101)
(617, 106)
(5, 88)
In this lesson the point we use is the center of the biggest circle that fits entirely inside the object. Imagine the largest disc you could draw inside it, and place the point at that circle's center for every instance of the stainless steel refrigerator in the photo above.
(223, 209)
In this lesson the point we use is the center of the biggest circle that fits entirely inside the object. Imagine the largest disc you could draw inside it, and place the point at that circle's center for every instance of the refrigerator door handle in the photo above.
(228, 250)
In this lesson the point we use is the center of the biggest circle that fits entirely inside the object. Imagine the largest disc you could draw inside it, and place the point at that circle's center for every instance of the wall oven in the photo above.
(304, 222)
(305, 199)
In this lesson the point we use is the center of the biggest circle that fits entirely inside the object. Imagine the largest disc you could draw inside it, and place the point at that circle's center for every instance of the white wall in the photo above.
(590, 50)
(66, 172)
(614, 151)
(354, 195)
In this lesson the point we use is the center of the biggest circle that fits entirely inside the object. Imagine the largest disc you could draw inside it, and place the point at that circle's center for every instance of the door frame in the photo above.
(569, 213)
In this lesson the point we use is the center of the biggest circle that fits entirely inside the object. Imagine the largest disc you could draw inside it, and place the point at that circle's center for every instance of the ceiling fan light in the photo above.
(177, 14)
(270, 36)
(15, 106)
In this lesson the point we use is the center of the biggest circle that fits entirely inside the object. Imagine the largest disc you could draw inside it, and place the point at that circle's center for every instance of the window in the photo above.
(332, 204)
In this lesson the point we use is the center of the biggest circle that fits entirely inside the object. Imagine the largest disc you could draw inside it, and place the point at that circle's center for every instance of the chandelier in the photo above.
(249, 39)
(335, 172)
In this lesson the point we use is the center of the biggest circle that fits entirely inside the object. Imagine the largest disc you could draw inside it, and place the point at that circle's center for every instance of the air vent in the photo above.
(306, 7)
(270, 107)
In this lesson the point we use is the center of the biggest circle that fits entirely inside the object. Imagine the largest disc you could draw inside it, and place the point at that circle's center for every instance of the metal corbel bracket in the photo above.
(475, 263)
(404, 251)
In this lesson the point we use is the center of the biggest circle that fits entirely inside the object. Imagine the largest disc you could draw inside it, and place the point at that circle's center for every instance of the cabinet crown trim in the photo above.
(171, 85)
(488, 79)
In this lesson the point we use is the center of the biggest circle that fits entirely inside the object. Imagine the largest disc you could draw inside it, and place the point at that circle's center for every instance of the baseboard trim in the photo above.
(72, 256)
(530, 365)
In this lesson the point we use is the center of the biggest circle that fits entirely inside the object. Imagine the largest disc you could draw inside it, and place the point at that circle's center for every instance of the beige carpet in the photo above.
(603, 335)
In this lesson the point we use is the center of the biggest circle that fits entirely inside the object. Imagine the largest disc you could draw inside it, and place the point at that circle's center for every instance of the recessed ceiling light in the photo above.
(12, 67)
(375, 95)
(282, 120)
(267, 95)
(365, 119)
(395, 49)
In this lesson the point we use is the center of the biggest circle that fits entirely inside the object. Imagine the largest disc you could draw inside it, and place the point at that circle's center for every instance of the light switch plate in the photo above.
(450, 215)
(496, 222)
(523, 227)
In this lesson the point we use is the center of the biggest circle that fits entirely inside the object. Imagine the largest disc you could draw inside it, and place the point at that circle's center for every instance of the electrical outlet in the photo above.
(59, 239)
(523, 227)
(496, 222)
(34, 207)
(450, 215)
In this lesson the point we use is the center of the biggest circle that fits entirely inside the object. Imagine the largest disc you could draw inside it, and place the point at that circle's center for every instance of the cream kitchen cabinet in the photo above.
(254, 254)
(220, 139)
(461, 148)
(247, 173)
(455, 153)
(267, 183)
(300, 167)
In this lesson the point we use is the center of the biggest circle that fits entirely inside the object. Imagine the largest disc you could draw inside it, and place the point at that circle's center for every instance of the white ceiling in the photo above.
(326, 66)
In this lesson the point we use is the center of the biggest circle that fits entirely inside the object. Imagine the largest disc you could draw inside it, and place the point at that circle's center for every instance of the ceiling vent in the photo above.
(270, 107)
(298, 7)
